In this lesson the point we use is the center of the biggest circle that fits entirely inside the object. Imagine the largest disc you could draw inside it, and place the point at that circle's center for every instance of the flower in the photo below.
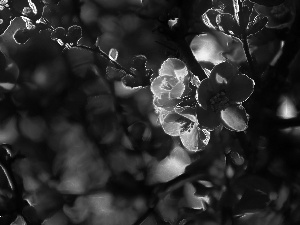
(214, 47)
(279, 16)
(174, 102)
(220, 97)
(170, 85)
(182, 122)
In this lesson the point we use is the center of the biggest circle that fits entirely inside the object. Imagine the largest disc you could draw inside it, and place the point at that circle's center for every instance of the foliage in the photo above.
(149, 112)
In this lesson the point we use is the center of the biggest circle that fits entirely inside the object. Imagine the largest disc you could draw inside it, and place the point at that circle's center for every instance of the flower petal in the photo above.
(172, 128)
(205, 92)
(166, 102)
(193, 138)
(173, 123)
(240, 88)
(235, 118)
(177, 90)
(222, 73)
(187, 112)
(162, 84)
(210, 18)
(173, 67)
(207, 48)
(207, 118)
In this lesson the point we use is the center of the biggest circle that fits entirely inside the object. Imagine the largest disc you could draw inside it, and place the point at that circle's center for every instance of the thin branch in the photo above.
(164, 189)
(250, 60)
(103, 54)
(189, 58)
(144, 216)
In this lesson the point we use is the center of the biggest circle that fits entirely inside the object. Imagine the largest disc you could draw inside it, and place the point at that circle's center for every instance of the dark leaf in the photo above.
(5, 19)
(114, 74)
(141, 76)
(256, 25)
(252, 201)
(268, 3)
(8, 78)
(23, 35)
(8, 110)
(8, 219)
(31, 215)
(3, 64)
(139, 132)
(74, 34)
(18, 5)
(228, 24)
(59, 33)
(210, 18)
(202, 187)
(253, 182)
(244, 17)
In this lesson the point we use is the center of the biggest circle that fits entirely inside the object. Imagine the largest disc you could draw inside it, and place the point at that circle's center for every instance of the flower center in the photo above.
(166, 85)
(219, 102)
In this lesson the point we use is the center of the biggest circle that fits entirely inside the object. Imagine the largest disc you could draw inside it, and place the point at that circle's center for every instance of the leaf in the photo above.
(3, 64)
(114, 74)
(244, 17)
(8, 219)
(21, 36)
(139, 63)
(228, 24)
(74, 34)
(30, 213)
(256, 25)
(253, 182)
(38, 4)
(252, 201)
(209, 18)
(268, 3)
(59, 34)
(142, 75)
(9, 78)
(5, 19)
(236, 158)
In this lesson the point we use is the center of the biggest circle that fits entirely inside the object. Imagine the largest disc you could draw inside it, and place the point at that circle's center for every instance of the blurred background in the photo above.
(93, 149)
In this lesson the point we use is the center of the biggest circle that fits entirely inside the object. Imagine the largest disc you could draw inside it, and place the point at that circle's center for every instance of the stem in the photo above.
(249, 57)
(189, 58)
(144, 216)
(102, 53)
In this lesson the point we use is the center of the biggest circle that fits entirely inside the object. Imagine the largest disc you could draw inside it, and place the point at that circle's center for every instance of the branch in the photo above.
(164, 189)
(189, 58)
(103, 54)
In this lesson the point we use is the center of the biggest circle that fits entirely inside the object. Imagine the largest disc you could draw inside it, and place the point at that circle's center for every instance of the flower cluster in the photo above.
(219, 101)
(170, 90)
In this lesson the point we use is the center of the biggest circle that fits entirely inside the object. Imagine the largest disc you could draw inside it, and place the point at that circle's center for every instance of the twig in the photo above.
(6, 166)
(144, 216)
(102, 53)
(189, 58)
(164, 189)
